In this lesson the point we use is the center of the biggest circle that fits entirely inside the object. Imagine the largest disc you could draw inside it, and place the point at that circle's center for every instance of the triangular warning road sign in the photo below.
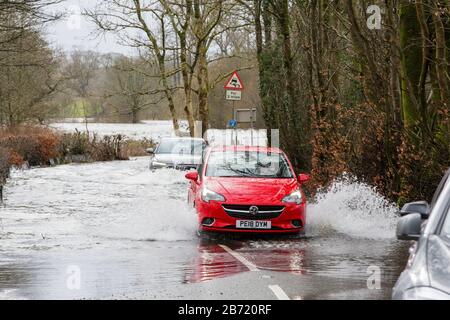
(235, 82)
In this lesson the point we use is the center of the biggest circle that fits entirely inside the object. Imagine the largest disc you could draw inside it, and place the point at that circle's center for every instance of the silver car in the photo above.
(427, 276)
(177, 153)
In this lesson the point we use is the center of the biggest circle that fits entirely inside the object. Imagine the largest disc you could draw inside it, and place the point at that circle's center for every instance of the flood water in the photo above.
(118, 231)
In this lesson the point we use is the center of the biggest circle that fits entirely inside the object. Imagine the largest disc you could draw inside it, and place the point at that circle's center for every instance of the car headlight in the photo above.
(425, 293)
(208, 195)
(294, 197)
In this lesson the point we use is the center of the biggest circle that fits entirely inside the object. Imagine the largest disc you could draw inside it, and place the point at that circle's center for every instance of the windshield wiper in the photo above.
(246, 173)
(263, 165)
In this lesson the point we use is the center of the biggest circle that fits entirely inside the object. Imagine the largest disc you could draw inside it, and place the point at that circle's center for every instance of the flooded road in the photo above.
(117, 231)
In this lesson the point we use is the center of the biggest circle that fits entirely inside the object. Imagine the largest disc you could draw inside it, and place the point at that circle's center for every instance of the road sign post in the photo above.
(234, 95)
(234, 88)
(247, 116)
(234, 83)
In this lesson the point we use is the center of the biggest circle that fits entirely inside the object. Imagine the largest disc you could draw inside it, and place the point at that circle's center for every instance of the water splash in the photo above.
(352, 208)
(156, 210)
(162, 221)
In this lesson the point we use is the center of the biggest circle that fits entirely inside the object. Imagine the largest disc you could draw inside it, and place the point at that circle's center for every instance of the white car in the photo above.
(177, 153)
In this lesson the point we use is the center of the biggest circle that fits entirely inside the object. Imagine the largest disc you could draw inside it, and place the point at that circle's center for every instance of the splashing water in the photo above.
(82, 205)
(354, 209)
(172, 220)
(155, 209)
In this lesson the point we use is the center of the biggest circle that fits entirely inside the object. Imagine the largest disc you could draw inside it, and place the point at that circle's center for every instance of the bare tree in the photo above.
(187, 31)
(81, 70)
(28, 79)
(127, 88)
(141, 24)
(28, 68)
(20, 16)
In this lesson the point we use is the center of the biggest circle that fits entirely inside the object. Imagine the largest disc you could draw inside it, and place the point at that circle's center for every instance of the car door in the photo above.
(438, 254)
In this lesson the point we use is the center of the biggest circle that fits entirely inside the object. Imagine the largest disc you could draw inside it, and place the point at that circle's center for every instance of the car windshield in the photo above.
(181, 146)
(248, 164)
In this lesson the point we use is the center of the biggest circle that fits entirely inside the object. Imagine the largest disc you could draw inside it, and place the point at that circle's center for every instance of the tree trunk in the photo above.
(134, 115)
(441, 55)
(202, 64)
(187, 85)
(410, 35)
(203, 87)
(261, 68)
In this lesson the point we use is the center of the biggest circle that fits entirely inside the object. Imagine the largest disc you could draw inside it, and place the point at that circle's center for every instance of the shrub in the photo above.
(39, 145)
(15, 159)
(73, 144)
(137, 148)
(107, 148)
(34, 145)
(47, 146)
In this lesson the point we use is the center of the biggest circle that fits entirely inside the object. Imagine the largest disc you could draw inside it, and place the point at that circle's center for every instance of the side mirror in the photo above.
(303, 178)
(410, 227)
(150, 151)
(421, 207)
(193, 176)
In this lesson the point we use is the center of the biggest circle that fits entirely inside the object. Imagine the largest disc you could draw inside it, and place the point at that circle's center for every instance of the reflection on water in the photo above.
(328, 256)
(212, 262)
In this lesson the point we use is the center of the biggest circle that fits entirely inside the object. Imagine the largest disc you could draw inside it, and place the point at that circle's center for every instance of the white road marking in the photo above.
(279, 293)
(243, 260)
(276, 289)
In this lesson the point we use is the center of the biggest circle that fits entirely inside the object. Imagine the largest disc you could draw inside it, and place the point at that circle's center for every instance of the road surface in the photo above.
(117, 231)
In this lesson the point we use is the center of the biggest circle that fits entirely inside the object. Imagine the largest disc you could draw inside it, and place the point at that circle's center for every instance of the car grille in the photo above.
(234, 228)
(243, 212)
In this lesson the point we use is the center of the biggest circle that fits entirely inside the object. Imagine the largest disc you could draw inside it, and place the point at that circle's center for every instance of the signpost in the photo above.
(234, 88)
(233, 95)
(247, 116)
(232, 124)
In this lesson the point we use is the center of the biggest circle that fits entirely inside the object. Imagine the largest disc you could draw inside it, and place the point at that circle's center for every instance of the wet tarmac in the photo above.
(117, 231)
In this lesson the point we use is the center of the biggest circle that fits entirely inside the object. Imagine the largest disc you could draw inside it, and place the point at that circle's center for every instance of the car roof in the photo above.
(246, 148)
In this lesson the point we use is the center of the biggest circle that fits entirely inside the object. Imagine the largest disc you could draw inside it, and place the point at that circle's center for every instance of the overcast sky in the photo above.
(76, 31)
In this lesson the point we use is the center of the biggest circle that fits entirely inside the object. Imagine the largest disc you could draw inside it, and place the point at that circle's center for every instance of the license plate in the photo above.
(253, 224)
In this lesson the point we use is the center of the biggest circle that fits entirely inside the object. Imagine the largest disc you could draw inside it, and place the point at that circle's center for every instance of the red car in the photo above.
(248, 189)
